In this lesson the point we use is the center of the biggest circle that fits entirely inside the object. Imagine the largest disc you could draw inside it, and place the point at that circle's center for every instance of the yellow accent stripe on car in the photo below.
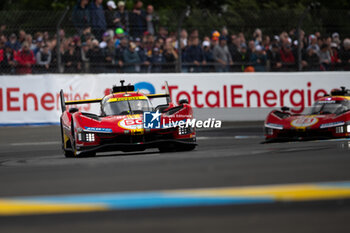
(127, 98)
(88, 101)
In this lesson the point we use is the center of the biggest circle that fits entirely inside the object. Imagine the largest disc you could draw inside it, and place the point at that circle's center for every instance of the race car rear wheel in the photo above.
(75, 152)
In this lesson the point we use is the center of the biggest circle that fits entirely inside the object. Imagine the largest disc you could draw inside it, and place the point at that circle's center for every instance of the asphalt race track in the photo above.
(32, 165)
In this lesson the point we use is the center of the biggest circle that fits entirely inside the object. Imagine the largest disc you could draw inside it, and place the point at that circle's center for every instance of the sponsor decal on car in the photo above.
(131, 123)
(332, 124)
(304, 122)
(98, 130)
(127, 98)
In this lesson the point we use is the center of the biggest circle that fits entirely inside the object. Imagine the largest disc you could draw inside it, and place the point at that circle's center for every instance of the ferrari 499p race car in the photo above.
(120, 125)
(329, 118)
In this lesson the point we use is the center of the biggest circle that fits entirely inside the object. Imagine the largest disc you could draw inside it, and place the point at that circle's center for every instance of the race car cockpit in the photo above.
(330, 107)
(118, 106)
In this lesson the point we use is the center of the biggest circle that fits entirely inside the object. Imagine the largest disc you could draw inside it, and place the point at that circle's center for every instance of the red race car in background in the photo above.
(329, 118)
(120, 125)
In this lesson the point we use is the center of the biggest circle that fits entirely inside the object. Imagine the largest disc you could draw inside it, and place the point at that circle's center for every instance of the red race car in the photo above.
(127, 122)
(329, 118)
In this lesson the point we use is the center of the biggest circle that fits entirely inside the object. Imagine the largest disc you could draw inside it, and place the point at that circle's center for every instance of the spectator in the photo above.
(170, 57)
(325, 57)
(334, 56)
(244, 57)
(287, 57)
(274, 57)
(163, 33)
(266, 43)
(234, 48)
(336, 39)
(72, 59)
(344, 54)
(142, 54)
(183, 40)
(110, 57)
(112, 18)
(138, 20)
(7, 60)
(257, 36)
(13, 43)
(81, 16)
(43, 60)
(97, 17)
(123, 16)
(311, 60)
(96, 58)
(208, 57)
(21, 36)
(224, 32)
(222, 56)
(194, 56)
(120, 51)
(152, 20)
(251, 47)
(105, 38)
(85, 60)
(25, 59)
(29, 40)
(157, 61)
(258, 59)
(131, 59)
(313, 43)
(87, 35)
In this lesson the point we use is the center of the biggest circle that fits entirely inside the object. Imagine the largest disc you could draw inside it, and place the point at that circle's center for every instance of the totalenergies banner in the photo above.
(34, 99)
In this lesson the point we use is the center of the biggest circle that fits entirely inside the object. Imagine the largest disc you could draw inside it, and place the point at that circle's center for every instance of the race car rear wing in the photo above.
(166, 95)
(89, 101)
(72, 102)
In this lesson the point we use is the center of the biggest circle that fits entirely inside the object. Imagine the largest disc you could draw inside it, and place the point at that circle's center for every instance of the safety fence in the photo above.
(181, 41)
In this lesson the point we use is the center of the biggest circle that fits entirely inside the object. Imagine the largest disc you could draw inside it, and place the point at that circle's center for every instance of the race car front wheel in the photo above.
(74, 147)
(67, 153)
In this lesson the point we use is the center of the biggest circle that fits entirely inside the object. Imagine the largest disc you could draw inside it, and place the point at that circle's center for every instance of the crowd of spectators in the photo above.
(110, 38)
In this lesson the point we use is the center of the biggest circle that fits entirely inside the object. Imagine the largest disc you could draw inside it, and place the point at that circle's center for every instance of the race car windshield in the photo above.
(330, 107)
(127, 107)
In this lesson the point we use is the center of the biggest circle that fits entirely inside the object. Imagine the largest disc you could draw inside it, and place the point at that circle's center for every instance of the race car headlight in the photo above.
(86, 137)
(90, 137)
(274, 126)
(339, 129)
(185, 130)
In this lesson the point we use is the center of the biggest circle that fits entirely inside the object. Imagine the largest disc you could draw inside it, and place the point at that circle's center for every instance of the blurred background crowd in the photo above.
(108, 37)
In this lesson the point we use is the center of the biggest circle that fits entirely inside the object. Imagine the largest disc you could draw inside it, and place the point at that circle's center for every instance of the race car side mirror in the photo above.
(73, 110)
(183, 101)
(285, 109)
